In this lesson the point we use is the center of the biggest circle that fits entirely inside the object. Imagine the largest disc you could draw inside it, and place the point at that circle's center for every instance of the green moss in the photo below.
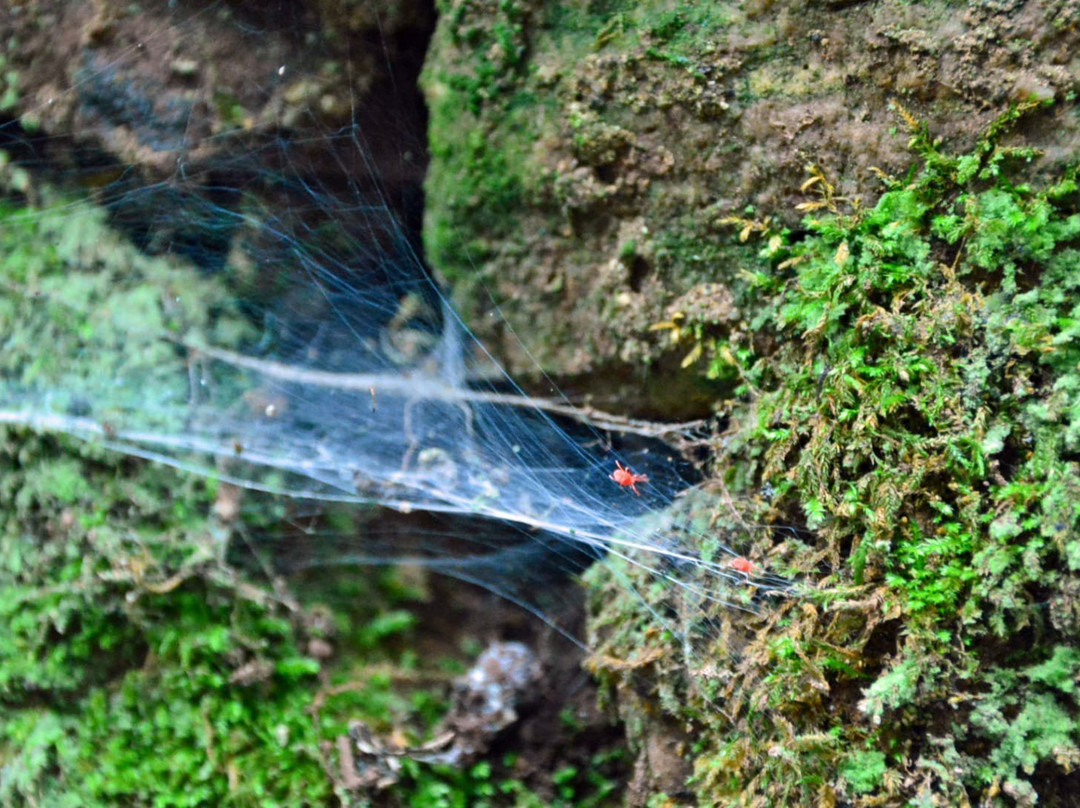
(136, 667)
(121, 635)
(108, 314)
(479, 183)
(907, 392)
(864, 771)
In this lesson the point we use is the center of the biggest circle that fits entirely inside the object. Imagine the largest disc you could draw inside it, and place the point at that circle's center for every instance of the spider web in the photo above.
(301, 347)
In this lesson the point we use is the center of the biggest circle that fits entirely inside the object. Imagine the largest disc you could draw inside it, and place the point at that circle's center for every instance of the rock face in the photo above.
(585, 155)
(209, 104)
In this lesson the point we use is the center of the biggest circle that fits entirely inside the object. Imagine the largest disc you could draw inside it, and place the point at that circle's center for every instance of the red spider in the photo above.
(743, 565)
(624, 477)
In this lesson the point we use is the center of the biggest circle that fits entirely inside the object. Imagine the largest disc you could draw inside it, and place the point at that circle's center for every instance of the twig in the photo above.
(419, 386)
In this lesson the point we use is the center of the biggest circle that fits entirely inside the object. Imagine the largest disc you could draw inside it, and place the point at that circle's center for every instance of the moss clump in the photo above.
(908, 395)
(127, 646)
(123, 641)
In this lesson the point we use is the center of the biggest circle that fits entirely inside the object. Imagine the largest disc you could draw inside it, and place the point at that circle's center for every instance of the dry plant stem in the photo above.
(425, 387)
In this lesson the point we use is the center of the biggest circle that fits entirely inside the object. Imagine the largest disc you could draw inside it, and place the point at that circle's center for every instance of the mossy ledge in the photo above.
(907, 417)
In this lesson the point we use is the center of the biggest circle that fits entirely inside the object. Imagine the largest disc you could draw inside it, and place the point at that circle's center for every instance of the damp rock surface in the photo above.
(585, 156)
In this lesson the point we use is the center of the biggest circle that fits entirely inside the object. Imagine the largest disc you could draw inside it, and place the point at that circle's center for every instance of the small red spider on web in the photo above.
(743, 565)
(625, 477)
